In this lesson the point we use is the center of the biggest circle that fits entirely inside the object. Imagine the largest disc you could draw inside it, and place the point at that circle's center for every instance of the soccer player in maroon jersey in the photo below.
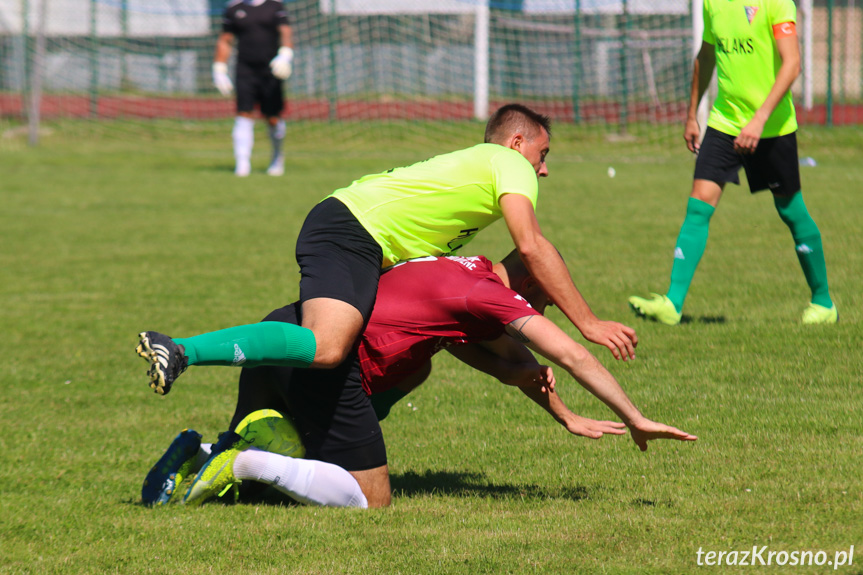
(486, 315)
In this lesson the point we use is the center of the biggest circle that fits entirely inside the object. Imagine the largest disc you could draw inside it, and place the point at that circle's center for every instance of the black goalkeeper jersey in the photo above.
(256, 29)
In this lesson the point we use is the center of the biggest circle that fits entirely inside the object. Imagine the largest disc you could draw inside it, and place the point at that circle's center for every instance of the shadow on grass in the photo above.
(686, 319)
(720, 319)
(413, 484)
(707, 319)
(460, 484)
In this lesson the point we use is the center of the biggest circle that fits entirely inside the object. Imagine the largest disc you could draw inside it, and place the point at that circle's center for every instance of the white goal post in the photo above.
(480, 10)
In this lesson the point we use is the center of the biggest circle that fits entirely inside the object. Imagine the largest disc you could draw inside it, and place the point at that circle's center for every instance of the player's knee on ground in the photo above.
(375, 484)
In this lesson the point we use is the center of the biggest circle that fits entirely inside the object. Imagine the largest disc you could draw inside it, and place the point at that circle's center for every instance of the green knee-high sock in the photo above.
(385, 400)
(807, 243)
(690, 247)
(265, 343)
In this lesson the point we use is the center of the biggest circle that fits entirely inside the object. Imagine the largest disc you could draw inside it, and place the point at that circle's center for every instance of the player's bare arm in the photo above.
(507, 361)
(554, 344)
(550, 401)
(517, 330)
(224, 44)
(505, 351)
(282, 65)
(546, 266)
(221, 78)
(789, 52)
(286, 36)
(702, 73)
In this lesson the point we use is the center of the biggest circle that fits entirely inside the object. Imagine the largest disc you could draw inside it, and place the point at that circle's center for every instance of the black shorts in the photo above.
(331, 410)
(773, 166)
(257, 85)
(338, 258)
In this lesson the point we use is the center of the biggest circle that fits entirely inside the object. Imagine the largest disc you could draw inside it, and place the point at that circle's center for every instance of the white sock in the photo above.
(203, 455)
(306, 480)
(244, 139)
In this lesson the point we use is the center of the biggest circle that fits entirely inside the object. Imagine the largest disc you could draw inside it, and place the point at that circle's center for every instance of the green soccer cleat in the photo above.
(165, 477)
(216, 477)
(659, 308)
(269, 430)
(815, 314)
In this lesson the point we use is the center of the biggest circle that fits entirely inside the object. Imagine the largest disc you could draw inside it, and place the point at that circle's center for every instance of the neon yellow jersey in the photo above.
(435, 207)
(747, 62)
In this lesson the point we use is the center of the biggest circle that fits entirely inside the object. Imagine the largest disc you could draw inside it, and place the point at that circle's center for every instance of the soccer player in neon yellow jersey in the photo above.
(753, 46)
(431, 208)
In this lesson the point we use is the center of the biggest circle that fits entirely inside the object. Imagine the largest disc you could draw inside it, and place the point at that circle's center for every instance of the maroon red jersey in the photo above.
(428, 304)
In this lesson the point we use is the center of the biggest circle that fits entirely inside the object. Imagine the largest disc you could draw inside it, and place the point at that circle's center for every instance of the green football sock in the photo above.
(690, 247)
(265, 343)
(807, 244)
(383, 401)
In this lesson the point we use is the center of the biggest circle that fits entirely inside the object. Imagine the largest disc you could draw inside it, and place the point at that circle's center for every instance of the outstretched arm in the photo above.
(509, 362)
(544, 337)
(549, 270)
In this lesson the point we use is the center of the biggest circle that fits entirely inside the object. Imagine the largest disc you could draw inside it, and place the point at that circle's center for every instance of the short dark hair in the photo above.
(514, 117)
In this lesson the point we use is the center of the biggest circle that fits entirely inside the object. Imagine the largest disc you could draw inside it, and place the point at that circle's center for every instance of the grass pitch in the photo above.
(104, 237)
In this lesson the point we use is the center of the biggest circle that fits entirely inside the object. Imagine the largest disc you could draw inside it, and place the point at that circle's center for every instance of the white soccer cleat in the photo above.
(277, 166)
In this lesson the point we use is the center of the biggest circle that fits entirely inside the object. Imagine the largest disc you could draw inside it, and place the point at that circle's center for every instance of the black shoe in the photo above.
(167, 359)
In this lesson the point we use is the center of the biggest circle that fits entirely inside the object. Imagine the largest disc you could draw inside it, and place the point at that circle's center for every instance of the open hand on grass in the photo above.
(646, 430)
(593, 429)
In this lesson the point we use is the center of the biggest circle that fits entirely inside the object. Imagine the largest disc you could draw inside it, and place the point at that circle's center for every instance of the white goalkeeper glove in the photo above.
(221, 79)
(282, 64)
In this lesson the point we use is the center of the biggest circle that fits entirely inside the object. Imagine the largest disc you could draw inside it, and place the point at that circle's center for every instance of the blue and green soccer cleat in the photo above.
(658, 308)
(168, 473)
(266, 429)
(216, 477)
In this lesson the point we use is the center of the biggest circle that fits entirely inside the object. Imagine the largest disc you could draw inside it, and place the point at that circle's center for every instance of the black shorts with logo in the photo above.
(257, 85)
(332, 412)
(773, 166)
(338, 258)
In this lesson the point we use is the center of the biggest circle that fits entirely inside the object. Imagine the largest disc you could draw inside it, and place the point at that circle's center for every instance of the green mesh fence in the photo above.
(413, 70)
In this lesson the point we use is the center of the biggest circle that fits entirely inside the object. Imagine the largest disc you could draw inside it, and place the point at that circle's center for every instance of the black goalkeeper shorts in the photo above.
(257, 85)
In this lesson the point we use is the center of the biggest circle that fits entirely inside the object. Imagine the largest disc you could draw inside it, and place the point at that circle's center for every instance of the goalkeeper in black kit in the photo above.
(265, 53)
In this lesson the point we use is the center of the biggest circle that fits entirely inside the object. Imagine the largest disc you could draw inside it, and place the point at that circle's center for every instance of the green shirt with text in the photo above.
(437, 206)
(747, 62)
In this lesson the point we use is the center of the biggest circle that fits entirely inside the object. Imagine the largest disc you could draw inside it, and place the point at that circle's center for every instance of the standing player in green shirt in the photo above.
(753, 46)
(431, 208)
